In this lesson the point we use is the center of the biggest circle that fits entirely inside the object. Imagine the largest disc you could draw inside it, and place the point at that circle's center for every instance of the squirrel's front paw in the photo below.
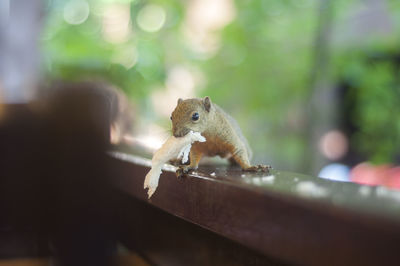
(258, 168)
(182, 170)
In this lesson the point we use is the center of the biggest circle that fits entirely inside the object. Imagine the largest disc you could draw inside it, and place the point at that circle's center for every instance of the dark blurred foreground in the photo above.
(55, 196)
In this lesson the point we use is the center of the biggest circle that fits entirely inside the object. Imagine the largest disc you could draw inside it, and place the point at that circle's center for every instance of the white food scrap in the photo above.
(171, 149)
(365, 191)
(268, 179)
(310, 189)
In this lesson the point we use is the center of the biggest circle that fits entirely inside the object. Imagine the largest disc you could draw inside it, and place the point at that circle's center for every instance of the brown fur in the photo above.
(222, 133)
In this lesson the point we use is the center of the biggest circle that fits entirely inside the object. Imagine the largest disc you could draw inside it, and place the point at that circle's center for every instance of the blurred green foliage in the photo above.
(260, 73)
(370, 68)
(375, 92)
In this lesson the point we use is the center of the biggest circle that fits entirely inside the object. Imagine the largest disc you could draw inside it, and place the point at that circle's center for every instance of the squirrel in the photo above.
(222, 133)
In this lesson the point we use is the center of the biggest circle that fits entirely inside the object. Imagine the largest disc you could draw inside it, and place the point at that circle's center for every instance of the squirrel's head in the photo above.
(190, 114)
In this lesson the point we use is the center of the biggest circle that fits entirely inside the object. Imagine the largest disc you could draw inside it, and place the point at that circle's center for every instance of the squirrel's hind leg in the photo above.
(241, 157)
(232, 161)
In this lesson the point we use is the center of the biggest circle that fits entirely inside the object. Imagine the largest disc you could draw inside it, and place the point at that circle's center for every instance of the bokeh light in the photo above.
(203, 21)
(180, 83)
(126, 57)
(76, 11)
(369, 174)
(151, 18)
(152, 137)
(333, 145)
(181, 79)
(335, 171)
(364, 173)
(116, 22)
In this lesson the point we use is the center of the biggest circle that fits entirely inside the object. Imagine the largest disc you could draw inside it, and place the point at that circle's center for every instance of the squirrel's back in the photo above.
(231, 122)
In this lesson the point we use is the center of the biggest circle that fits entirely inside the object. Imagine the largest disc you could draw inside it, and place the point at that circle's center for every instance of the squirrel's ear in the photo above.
(180, 100)
(207, 103)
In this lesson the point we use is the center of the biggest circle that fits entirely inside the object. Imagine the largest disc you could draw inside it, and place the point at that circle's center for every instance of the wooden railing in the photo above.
(281, 218)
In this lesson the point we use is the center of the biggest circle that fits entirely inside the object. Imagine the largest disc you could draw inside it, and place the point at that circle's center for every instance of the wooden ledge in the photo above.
(290, 217)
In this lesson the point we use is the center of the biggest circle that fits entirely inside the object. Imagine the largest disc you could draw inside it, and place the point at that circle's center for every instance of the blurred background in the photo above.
(314, 84)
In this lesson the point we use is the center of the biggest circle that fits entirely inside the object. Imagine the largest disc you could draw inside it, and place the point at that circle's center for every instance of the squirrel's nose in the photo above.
(175, 132)
(180, 133)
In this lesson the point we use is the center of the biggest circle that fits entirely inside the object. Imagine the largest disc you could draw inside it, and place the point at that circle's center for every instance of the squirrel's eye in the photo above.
(195, 116)
(170, 117)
